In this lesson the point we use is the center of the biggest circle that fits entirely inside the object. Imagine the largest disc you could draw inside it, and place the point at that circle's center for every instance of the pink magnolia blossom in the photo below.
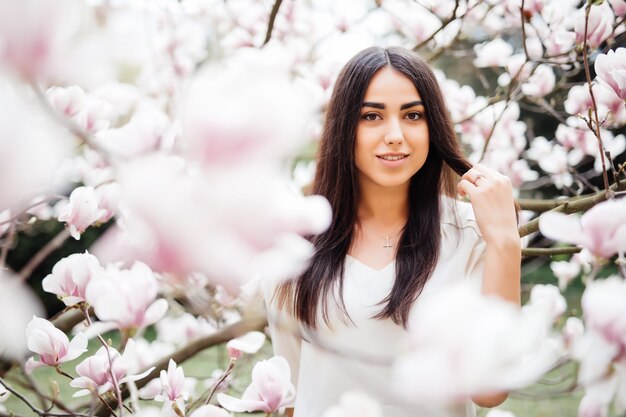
(95, 372)
(619, 7)
(67, 101)
(109, 196)
(493, 53)
(181, 329)
(127, 298)
(560, 41)
(540, 83)
(271, 389)
(611, 70)
(600, 25)
(354, 403)
(602, 229)
(605, 310)
(82, 211)
(248, 343)
(51, 344)
(36, 34)
(173, 386)
(70, 276)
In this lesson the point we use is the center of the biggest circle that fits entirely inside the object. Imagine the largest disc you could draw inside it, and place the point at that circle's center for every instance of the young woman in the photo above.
(391, 167)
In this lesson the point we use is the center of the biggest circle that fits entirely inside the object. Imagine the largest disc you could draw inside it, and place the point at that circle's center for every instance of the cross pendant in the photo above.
(387, 245)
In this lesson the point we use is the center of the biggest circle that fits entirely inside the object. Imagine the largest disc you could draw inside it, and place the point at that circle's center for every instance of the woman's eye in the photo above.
(370, 117)
(414, 115)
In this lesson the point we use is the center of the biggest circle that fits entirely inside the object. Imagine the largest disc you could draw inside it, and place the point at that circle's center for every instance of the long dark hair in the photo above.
(336, 179)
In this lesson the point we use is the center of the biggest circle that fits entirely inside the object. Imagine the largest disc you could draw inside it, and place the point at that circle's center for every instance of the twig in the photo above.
(43, 253)
(227, 372)
(34, 408)
(7, 244)
(270, 25)
(575, 206)
(594, 106)
(116, 385)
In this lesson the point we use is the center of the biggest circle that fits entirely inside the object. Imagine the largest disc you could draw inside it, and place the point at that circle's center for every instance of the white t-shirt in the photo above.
(356, 356)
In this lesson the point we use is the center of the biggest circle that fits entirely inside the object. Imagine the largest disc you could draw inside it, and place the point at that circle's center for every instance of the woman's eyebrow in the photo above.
(381, 106)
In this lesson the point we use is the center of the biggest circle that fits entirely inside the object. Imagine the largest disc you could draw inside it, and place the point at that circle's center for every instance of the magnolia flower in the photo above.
(605, 310)
(35, 34)
(95, 372)
(549, 300)
(82, 211)
(126, 297)
(602, 229)
(70, 276)
(67, 101)
(493, 53)
(464, 344)
(565, 271)
(600, 25)
(619, 7)
(611, 70)
(181, 329)
(173, 387)
(540, 83)
(109, 196)
(271, 389)
(353, 404)
(52, 345)
(249, 343)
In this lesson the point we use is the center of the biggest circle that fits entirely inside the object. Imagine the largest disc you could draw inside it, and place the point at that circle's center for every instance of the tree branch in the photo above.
(575, 206)
(43, 253)
(550, 251)
(270, 25)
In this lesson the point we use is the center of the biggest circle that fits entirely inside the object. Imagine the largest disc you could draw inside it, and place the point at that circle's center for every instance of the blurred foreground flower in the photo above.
(17, 302)
(355, 404)
(52, 345)
(210, 411)
(271, 389)
(600, 349)
(611, 70)
(31, 148)
(466, 344)
(601, 230)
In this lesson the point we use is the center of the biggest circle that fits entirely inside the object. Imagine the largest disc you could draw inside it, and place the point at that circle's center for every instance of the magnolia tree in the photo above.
(177, 124)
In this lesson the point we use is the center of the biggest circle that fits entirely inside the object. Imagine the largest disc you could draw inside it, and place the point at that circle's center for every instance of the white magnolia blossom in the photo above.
(354, 403)
(495, 346)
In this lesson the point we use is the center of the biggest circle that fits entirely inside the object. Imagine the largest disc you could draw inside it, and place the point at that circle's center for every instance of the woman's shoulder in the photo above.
(458, 214)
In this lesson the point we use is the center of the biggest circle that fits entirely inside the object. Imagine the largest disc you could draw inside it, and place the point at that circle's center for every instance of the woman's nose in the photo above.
(394, 134)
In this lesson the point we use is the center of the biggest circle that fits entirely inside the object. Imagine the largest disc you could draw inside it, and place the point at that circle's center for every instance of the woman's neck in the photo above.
(383, 207)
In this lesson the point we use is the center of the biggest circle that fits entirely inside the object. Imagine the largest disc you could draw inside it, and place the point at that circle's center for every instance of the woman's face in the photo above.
(392, 133)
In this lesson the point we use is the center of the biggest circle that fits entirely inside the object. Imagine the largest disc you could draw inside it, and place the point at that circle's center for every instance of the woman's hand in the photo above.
(491, 196)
